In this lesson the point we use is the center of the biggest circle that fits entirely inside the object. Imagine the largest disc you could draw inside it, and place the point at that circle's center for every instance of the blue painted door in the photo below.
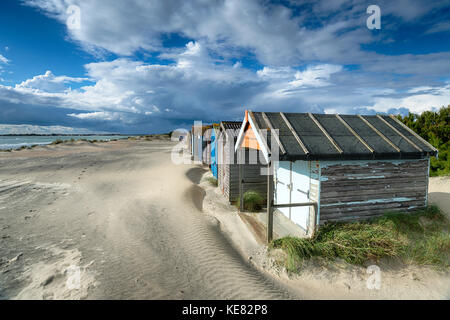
(213, 153)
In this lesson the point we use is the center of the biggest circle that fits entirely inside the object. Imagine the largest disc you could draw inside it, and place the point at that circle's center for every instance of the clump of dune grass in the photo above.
(58, 141)
(253, 201)
(213, 181)
(420, 238)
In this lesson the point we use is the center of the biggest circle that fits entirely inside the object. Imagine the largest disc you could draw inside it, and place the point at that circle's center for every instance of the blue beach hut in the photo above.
(214, 135)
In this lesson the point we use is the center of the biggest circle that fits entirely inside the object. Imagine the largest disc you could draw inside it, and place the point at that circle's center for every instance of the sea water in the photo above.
(16, 142)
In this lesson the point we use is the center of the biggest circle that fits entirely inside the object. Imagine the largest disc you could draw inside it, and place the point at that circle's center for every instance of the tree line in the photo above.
(435, 128)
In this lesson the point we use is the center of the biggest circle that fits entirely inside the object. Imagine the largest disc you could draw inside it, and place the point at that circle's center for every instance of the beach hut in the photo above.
(214, 136)
(180, 135)
(228, 164)
(188, 141)
(206, 158)
(209, 138)
(339, 167)
(198, 143)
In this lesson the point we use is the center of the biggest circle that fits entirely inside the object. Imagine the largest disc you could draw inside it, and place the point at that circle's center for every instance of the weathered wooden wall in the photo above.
(221, 145)
(228, 172)
(352, 190)
(314, 195)
(206, 159)
(195, 148)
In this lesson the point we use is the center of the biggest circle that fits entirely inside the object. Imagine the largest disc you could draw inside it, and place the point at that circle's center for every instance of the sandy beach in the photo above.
(136, 226)
(127, 217)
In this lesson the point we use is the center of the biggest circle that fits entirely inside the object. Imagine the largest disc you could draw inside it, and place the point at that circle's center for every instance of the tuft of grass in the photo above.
(253, 201)
(420, 238)
(58, 141)
(213, 181)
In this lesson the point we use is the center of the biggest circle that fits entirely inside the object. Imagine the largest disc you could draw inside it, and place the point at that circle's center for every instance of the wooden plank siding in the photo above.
(366, 189)
(314, 194)
(207, 153)
(228, 172)
(252, 173)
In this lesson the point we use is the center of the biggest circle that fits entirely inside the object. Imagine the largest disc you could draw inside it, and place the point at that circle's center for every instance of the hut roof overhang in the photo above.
(307, 136)
(230, 129)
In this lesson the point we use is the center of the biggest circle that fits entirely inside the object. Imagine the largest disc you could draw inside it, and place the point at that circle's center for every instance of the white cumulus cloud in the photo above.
(316, 76)
(3, 59)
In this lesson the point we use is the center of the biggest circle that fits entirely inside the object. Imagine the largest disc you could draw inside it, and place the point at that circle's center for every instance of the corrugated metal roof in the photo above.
(326, 136)
(236, 125)
(232, 127)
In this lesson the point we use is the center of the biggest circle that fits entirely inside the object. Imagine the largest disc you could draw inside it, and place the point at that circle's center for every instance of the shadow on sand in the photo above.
(195, 174)
(195, 193)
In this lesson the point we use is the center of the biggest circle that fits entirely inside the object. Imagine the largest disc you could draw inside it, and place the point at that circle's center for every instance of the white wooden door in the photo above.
(300, 184)
(283, 181)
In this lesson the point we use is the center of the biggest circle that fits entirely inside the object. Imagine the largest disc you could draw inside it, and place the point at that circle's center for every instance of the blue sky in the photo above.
(140, 66)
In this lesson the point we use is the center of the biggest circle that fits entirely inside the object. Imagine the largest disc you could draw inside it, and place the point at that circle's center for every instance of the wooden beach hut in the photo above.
(214, 136)
(209, 138)
(228, 167)
(206, 158)
(339, 167)
(198, 142)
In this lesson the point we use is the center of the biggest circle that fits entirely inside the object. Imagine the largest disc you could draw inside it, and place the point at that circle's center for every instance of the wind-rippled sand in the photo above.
(126, 217)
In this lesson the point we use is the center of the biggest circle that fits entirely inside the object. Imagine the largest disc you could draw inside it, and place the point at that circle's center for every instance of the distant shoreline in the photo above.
(20, 142)
(67, 135)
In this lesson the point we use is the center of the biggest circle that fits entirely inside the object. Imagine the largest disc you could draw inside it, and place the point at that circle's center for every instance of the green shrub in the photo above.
(58, 141)
(213, 181)
(253, 201)
(435, 128)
